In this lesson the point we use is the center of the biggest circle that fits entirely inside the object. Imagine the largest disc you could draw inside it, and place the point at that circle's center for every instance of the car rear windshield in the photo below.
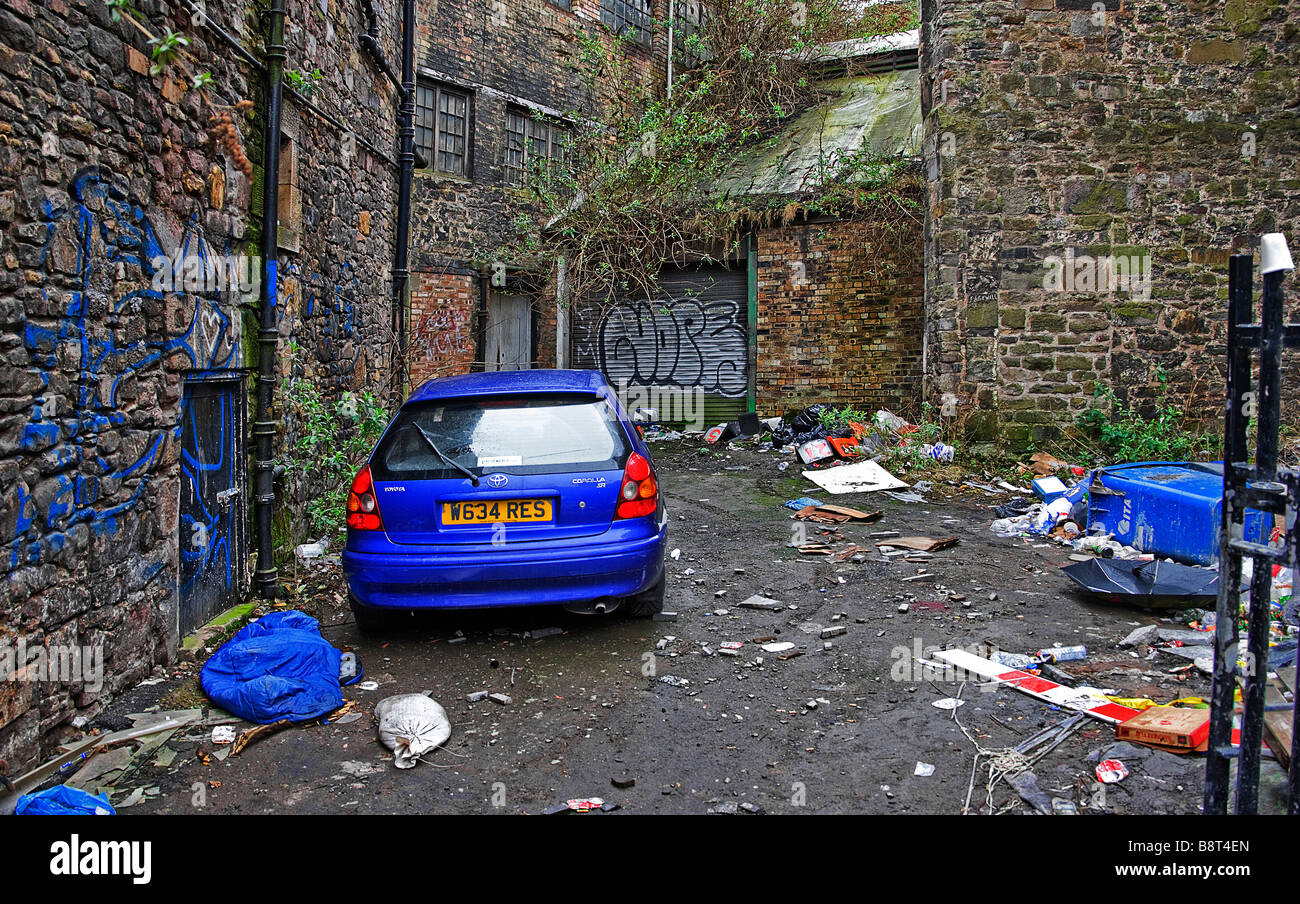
(533, 435)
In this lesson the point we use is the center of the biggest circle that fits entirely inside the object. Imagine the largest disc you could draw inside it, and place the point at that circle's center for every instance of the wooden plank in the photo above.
(1278, 724)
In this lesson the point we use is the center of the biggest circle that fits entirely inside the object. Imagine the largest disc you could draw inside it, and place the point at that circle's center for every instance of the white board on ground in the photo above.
(863, 477)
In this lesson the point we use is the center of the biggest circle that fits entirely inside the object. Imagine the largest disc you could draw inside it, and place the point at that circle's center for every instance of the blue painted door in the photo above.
(213, 522)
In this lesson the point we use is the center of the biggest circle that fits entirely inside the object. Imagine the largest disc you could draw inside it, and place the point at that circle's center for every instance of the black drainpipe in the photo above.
(401, 269)
(370, 43)
(264, 428)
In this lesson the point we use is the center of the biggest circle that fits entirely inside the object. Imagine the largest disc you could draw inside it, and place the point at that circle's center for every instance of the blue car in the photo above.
(515, 488)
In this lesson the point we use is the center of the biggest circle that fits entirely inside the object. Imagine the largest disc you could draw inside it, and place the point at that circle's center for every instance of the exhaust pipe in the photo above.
(594, 607)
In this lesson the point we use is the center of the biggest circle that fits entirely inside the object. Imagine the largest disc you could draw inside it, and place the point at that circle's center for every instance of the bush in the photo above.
(334, 438)
(1124, 433)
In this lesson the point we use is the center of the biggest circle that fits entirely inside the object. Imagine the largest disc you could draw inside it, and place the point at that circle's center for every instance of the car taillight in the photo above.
(639, 495)
(363, 506)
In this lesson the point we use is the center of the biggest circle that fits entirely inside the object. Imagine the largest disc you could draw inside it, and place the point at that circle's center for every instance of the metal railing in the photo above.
(1259, 486)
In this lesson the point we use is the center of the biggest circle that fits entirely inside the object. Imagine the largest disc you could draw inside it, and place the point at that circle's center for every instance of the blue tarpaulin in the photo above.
(279, 667)
(63, 801)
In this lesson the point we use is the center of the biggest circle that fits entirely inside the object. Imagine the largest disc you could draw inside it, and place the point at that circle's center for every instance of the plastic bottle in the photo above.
(1063, 654)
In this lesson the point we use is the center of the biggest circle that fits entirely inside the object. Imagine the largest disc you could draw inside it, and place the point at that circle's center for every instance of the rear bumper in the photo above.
(448, 578)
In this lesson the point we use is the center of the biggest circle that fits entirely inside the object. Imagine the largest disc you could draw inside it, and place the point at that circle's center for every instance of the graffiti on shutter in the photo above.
(694, 336)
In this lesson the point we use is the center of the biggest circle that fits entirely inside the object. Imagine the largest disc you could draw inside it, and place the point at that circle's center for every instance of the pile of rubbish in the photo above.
(814, 434)
(1141, 531)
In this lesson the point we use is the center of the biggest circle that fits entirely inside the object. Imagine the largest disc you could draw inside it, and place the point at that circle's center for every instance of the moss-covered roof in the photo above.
(881, 111)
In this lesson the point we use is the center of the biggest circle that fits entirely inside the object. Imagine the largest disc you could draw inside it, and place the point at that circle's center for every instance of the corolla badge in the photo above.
(496, 481)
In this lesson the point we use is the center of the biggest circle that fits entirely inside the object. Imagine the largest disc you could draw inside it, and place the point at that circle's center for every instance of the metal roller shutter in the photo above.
(695, 333)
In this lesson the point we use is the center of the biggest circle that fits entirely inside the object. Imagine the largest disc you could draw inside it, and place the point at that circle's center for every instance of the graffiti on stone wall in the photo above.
(321, 312)
(682, 342)
(91, 412)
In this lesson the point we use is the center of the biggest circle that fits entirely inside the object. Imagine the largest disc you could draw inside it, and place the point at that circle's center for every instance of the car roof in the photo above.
(511, 382)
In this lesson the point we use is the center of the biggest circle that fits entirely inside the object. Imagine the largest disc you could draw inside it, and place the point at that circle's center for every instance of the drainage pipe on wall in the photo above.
(264, 428)
(406, 160)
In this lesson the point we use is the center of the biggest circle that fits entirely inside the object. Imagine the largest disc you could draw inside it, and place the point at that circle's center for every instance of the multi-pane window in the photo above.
(562, 4)
(533, 145)
(688, 26)
(442, 124)
(632, 16)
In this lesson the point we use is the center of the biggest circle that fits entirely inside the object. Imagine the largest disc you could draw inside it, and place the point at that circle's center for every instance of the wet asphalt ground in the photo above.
(650, 717)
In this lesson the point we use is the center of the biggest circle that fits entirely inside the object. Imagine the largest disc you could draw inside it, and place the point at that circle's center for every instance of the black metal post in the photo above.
(1292, 525)
(1219, 756)
(264, 428)
(1269, 407)
(401, 260)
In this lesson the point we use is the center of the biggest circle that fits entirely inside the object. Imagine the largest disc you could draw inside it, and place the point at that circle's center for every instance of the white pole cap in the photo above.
(1274, 254)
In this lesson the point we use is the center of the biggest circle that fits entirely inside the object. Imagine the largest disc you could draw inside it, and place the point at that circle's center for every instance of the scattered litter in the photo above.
(1026, 785)
(780, 647)
(1088, 700)
(1063, 654)
(1150, 584)
(863, 477)
(1111, 771)
(223, 734)
(948, 703)
(922, 544)
(411, 725)
(835, 514)
(761, 602)
(310, 550)
(923, 769)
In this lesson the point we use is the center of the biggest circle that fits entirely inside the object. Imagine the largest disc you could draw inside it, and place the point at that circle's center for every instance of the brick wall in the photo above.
(442, 325)
(1165, 130)
(106, 174)
(840, 316)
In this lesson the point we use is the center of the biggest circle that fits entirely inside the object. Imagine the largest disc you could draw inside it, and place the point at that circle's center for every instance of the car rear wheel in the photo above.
(649, 603)
(369, 621)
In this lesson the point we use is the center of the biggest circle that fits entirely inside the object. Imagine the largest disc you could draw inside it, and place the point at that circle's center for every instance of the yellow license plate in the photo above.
(496, 511)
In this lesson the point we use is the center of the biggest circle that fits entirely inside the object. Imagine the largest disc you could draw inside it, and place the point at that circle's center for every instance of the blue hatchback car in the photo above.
(513, 488)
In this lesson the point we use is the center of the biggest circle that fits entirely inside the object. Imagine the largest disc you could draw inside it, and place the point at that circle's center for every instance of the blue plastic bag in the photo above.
(279, 667)
(63, 801)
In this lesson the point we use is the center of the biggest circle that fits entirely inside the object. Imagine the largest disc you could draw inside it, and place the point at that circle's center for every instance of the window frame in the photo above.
(614, 16)
(433, 151)
(556, 131)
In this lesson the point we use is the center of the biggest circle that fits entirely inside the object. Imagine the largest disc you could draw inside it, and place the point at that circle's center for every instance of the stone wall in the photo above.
(119, 192)
(840, 316)
(1066, 135)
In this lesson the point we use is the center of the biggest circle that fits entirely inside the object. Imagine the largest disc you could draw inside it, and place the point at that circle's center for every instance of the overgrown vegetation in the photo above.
(1125, 431)
(637, 184)
(333, 438)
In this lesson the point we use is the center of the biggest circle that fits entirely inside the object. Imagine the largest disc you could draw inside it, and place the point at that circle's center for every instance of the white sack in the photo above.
(411, 725)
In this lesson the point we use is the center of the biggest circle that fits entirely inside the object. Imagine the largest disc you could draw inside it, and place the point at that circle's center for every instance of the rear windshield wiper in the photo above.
(450, 461)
